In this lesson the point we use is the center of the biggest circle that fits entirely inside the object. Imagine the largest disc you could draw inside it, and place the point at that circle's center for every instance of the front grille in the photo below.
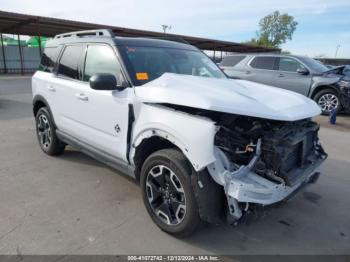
(299, 153)
(294, 159)
(286, 154)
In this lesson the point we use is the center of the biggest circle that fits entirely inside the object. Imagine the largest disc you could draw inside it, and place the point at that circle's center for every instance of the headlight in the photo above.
(344, 84)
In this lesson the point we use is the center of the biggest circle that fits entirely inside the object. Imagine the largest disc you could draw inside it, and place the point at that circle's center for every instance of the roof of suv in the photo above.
(152, 42)
(123, 41)
(269, 54)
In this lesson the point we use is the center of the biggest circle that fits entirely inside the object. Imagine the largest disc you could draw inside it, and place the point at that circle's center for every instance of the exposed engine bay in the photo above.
(285, 146)
(261, 161)
(264, 161)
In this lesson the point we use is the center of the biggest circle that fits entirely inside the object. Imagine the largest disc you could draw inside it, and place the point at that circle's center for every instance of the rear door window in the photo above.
(263, 62)
(231, 60)
(70, 61)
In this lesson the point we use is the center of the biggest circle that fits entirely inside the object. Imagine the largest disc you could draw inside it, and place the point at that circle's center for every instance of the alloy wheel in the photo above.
(328, 102)
(166, 195)
(44, 131)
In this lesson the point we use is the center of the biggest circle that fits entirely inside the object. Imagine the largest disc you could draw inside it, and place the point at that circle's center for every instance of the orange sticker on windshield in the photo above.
(141, 76)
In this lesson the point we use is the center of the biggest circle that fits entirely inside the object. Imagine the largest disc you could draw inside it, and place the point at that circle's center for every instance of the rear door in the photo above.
(44, 79)
(67, 80)
(288, 77)
(229, 66)
(261, 69)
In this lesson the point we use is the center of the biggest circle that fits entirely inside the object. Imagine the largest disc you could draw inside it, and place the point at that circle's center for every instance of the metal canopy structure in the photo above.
(21, 24)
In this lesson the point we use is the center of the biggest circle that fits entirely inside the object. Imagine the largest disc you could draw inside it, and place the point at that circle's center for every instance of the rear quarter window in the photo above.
(231, 60)
(49, 58)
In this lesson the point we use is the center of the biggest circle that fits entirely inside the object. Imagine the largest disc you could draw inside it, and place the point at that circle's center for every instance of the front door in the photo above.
(287, 76)
(103, 115)
(98, 117)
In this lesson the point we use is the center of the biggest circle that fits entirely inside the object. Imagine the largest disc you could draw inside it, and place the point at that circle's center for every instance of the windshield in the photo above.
(315, 65)
(346, 71)
(148, 63)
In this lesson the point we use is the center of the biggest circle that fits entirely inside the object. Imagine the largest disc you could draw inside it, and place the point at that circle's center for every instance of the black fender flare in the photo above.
(41, 99)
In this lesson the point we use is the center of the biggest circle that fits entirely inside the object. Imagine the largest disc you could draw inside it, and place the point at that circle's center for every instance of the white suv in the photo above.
(204, 147)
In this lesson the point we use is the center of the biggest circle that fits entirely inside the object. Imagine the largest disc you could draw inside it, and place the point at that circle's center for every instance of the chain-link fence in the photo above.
(19, 59)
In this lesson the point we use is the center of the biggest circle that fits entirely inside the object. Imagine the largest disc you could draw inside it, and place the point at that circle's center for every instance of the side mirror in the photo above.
(303, 71)
(104, 82)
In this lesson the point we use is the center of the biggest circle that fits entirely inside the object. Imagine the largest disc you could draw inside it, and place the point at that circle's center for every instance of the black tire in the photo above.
(51, 145)
(178, 164)
(324, 93)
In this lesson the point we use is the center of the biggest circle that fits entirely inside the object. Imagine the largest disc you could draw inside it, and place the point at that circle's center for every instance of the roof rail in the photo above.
(96, 32)
(172, 38)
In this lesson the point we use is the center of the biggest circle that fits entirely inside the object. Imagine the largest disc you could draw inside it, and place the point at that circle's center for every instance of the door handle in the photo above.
(82, 97)
(51, 88)
(281, 75)
(247, 72)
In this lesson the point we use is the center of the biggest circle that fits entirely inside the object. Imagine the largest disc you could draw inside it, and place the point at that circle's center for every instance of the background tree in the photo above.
(274, 29)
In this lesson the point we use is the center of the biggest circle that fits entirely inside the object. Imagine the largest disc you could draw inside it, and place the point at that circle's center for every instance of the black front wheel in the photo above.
(168, 194)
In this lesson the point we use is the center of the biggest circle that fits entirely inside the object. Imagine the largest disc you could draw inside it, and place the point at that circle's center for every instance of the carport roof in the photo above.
(15, 23)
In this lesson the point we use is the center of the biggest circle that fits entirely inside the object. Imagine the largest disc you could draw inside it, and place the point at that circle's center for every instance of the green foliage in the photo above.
(274, 29)
(34, 41)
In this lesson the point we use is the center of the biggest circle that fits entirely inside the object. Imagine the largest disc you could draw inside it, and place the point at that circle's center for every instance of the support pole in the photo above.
(39, 42)
(3, 53)
(214, 54)
(221, 56)
(20, 55)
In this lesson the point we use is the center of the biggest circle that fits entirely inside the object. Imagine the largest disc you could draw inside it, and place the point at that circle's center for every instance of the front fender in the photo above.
(319, 81)
(194, 135)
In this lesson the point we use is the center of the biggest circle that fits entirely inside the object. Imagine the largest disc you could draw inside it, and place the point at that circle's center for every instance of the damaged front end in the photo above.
(262, 162)
(344, 91)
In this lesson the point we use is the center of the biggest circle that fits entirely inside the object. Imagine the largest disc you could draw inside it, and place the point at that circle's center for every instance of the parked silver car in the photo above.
(303, 75)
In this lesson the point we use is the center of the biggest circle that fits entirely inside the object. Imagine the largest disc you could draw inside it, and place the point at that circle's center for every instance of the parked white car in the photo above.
(204, 147)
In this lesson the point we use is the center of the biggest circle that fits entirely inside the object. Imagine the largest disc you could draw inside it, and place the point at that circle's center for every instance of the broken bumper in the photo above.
(245, 186)
(253, 188)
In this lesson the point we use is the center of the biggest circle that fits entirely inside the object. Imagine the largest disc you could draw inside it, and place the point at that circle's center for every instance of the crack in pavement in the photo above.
(14, 228)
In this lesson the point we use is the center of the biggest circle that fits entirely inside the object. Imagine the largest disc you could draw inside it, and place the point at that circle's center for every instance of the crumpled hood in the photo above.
(332, 76)
(228, 95)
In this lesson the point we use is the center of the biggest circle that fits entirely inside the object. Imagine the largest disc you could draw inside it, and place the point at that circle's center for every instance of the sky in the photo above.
(322, 25)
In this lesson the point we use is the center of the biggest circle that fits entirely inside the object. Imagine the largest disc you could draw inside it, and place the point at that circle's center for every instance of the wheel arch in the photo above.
(319, 88)
(209, 195)
(199, 159)
(145, 148)
(39, 102)
(151, 140)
